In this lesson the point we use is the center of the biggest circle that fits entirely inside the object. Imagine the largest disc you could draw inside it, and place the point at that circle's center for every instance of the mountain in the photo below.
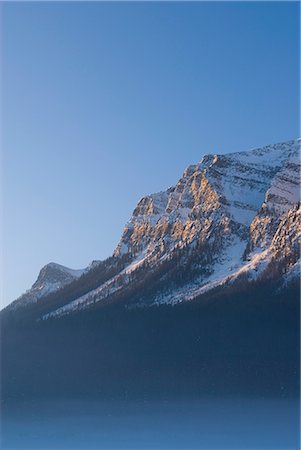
(52, 277)
(230, 219)
(200, 297)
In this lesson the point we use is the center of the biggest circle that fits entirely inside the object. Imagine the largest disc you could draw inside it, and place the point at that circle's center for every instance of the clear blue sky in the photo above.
(106, 102)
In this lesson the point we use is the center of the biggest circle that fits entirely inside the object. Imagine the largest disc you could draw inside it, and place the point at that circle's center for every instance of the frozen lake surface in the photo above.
(208, 424)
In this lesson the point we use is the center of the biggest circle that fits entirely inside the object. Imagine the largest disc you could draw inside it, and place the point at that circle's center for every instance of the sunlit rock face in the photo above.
(238, 193)
(286, 241)
(229, 216)
(280, 197)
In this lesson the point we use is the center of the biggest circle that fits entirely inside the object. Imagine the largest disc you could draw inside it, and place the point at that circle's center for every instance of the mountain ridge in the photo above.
(228, 216)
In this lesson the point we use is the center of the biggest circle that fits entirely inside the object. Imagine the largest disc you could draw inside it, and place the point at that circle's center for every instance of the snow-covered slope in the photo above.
(228, 216)
(52, 277)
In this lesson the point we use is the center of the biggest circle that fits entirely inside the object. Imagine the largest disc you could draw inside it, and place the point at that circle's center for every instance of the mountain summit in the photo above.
(229, 219)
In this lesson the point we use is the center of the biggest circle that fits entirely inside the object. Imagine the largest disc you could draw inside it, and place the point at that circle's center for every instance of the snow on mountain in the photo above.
(280, 197)
(282, 254)
(52, 277)
(228, 216)
(231, 187)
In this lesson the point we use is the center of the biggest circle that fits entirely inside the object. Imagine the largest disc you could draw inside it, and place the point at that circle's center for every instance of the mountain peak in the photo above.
(52, 277)
(217, 223)
(234, 185)
(53, 273)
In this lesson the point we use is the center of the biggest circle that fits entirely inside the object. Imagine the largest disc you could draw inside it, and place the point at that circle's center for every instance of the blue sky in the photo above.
(106, 102)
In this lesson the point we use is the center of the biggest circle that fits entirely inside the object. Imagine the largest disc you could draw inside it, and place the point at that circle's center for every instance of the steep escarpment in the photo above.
(280, 197)
(229, 188)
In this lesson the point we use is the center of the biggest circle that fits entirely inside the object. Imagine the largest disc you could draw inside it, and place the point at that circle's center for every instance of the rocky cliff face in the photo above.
(228, 216)
(226, 190)
(280, 197)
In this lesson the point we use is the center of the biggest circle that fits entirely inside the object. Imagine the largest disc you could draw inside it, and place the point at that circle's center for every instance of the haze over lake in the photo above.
(209, 424)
